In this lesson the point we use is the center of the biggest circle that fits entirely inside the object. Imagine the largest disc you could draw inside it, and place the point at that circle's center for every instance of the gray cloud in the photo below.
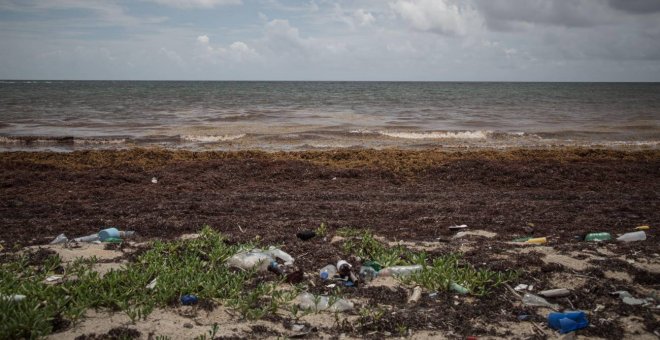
(636, 6)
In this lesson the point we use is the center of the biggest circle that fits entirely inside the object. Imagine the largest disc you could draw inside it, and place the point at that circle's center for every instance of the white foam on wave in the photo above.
(438, 135)
(95, 141)
(211, 139)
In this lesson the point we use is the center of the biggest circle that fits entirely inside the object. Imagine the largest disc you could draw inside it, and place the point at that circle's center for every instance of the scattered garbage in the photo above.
(628, 299)
(521, 287)
(531, 240)
(152, 284)
(643, 227)
(537, 301)
(458, 288)
(458, 227)
(399, 270)
(328, 272)
(189, 299)
(322, 303)
(568, 322)
(345, 273)
(552, 293)
(261, 260)
(13, 297)
(154, 180)
(306, 235)
(416, 295)
(53, 278)
(631, 237)
(367, 273)
(597, 237)
(61, 238)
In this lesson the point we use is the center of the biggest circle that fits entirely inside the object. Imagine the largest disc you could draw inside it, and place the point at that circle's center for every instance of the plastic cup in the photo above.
(108, 233)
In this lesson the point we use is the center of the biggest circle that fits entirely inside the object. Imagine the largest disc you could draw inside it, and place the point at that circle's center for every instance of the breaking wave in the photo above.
(211, 139)
(438, 135)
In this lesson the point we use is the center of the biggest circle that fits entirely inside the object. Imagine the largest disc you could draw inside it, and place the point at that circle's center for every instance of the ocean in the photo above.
(226, 115)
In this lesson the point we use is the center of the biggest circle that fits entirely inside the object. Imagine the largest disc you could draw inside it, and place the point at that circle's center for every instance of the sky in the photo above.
(397, 40)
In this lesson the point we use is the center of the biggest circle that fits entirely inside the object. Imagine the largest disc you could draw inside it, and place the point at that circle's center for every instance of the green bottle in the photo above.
(598, 237)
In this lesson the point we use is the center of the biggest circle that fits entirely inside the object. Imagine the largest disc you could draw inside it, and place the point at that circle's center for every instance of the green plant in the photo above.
(322, 230)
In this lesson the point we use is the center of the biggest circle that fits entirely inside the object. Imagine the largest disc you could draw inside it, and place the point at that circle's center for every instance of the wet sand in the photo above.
(410, 196)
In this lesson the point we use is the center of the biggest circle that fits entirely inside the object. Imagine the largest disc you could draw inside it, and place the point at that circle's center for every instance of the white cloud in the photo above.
(203, 39)
(440, 16)
(363, 18)
(196, 3)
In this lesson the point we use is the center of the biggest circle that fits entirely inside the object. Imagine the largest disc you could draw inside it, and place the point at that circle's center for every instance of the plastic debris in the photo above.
(275, 252)
(249, 260)
(13, 297)
(373, 264)
(521, 287)
(458, 227)
(537, 301)
(628, 299)
(322, 303)
(458, 288)
(152, 284)
(88, 238)
(154, 180)
(345, 273)
(643, 227)
(297, 327)
(524, 317)
(53, 278)
(367, 273)
(521, 239)
(567, 322)
(561, 292)
(631, 237)
(328, 272)
(538, 240)
(189, 299)
(61, 238)
(306, 235)
(416, 295)
(399, 270)
(597, 237)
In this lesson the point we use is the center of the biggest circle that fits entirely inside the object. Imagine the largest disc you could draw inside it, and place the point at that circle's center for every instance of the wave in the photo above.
(59, 140)
(438, 134)
(210, 139)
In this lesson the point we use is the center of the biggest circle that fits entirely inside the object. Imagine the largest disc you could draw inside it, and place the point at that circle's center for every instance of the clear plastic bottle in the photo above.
(537, 301)
(126, 234)
(367, 273)
(321, 303)
(328, 272)
(88, 238)
(274, 252)
(399, 270)
(251, 260)
(630, 237)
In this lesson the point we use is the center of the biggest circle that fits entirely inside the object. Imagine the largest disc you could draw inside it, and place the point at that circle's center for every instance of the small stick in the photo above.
(241, 229)
(512, 291)
(539, 328)
(571, 303)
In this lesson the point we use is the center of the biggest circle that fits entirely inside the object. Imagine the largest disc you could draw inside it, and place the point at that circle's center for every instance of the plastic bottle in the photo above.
(630, 237)
(88, 238)
(367, 273)
(458, 288)
(537, 301)
(126, 234)
(328, 272)
(61, 238)
(320, 303)
(274, 252)
(399, 270)
(598, 237)
(249, 260)
(538, 240)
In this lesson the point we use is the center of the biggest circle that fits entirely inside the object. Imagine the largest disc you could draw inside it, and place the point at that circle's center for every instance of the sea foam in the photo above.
(211, 139)
(438, 135)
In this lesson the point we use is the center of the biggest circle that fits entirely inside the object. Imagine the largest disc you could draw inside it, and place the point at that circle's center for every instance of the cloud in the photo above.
(440, 16)
(516, 15)
(237, 51)
(636, 6)
(195, 3)
(363, 18)
(203, 39)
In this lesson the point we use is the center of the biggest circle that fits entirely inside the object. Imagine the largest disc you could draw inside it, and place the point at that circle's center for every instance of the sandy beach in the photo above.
(407, 198)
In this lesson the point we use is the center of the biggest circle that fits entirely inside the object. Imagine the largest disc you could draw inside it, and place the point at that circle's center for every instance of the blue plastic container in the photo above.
(189, 299)
(568, 322)
(108, 233)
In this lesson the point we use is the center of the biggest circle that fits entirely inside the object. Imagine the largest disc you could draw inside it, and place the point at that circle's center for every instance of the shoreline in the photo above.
(405, 198)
